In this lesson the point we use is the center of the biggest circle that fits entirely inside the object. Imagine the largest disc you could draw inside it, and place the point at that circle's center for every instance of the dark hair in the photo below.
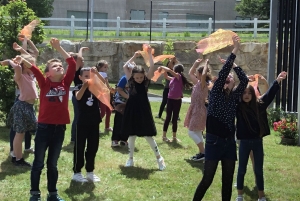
(137, 69)
(208, 74)
(84, 69)
(49, 62)
(100, 64)
(178, 68)
(252, 109)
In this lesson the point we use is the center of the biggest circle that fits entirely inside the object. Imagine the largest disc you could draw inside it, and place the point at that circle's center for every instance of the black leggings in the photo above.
(164, 101)
(210, 168)
(173, 109)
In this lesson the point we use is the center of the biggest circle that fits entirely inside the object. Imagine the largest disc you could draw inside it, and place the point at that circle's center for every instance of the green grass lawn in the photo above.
(144, 182)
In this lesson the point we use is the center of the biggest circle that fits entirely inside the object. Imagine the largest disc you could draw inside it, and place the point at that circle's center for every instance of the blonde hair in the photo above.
(49, 62)
(29, 58)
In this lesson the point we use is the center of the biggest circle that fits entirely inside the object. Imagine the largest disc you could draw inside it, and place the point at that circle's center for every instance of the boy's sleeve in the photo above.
(224, 72)
(38, 75)
(122, 83)
(70, 71)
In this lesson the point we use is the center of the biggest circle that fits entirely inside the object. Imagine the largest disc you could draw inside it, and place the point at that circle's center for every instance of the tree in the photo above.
(13, 17)
(42, 8)
(254, 8)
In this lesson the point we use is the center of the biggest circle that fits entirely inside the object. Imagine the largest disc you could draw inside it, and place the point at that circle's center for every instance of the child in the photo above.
(138, 119)
(87, 128)
(52, 119)
(177, 82)
(102, 67)
(171, 63)
(220, 142)
(121, 97)
(79, 64)
(251, 126)
(22, 114)
(195, 119)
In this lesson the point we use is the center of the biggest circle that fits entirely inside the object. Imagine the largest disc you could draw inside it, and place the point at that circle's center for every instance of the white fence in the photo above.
(163, 28)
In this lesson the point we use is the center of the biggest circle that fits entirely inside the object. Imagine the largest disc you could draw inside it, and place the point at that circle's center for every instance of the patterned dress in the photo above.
(195, 119)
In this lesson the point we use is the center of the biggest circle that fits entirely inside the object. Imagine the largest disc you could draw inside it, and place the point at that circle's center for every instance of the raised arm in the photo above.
(269, 96)
(56, 45)
(204, 74)
(192, 71)
(16, 66)
(150, 73)
(128, 64)
(33, 47)
(80, 92)
(168, 70)
(243, 81)
(20, 49)
(81, 50)
(94, 70)
(219, 83)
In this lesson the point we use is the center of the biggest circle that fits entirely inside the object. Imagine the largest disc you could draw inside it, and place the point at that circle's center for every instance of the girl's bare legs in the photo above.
(201, 147)
(17, 144)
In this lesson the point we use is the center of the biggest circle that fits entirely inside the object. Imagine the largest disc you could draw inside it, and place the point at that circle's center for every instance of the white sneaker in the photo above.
(161, 163)
(129, 163)
(78, 177)
(11, 153)
(115, 143)
(90, 176)
(239, 198)
(30, 150)
(262, 199)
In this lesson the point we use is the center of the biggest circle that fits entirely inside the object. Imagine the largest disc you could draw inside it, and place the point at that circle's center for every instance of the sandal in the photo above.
(175, 139)
(165, 139)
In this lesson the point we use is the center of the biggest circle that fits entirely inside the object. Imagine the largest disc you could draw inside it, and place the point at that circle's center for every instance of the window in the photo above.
(242, 25)
(161, 16)
(197, 17)
(137, 15)
(83, 15)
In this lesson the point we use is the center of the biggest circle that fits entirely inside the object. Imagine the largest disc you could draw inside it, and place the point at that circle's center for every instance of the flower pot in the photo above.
(288, 141)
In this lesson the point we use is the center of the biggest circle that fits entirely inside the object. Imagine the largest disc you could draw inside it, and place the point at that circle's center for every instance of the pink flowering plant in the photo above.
(286, 128)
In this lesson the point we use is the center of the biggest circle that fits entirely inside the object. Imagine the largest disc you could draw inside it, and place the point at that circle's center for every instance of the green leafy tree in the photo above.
(42, 8)
(254, 8)
(13, 17)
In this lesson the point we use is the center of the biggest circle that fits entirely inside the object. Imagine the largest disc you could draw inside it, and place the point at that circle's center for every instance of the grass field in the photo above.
(144, 182)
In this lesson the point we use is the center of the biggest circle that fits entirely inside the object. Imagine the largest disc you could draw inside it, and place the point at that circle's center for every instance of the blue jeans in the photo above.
(51, 137)
(12, 137)
(76, 114)
(256, 145)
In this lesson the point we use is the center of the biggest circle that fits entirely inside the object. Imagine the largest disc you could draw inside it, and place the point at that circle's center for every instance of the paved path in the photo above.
(152, 98)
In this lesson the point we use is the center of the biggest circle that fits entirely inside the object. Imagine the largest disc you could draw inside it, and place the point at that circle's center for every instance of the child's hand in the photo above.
(84, 48)
(18, 59)
(251, 78)
(159, 69)
(85, 84)
(4, 63)
(281, 76)
(55, 43)
(17, 47)
(236, 41)
(137, 54)
(198, 61)
(207, 62)
(94, 70)
(223, 61)
(149, 49)
(262, 77)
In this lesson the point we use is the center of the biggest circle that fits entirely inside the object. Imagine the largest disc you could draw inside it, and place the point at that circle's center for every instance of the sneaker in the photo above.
(13, 159)
(11, 153)
(90, 176)
(54, 197)
(161, 163)
(115, 143)
(123, 143)
(198, 157)
(239, 198)
(36, 197)
(22, 162)
(129, 163)
(262, 199)
(78, 177)
(30, 150)
(109, 129)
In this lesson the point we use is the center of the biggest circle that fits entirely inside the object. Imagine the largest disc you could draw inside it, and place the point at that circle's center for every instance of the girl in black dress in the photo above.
(138, 119)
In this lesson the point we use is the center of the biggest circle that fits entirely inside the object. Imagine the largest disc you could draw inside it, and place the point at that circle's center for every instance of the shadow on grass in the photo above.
(196, 164)
(69, 148)
(4, 134)
(77, 188)
(104, 133)
(138, 173)
(251, 193)
(124, 149)
(173, 145)
(8, 169)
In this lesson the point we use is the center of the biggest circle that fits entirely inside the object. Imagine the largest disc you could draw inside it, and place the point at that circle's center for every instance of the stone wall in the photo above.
(252, 57)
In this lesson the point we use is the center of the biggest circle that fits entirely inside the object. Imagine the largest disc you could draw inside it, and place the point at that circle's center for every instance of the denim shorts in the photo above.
(217, 148)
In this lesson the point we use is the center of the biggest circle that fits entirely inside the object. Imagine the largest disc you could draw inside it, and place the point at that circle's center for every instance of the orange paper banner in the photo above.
(156, 59)
(254, 84)
(100, 90)
(28, 29)
(216, 41)
(157, 74)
